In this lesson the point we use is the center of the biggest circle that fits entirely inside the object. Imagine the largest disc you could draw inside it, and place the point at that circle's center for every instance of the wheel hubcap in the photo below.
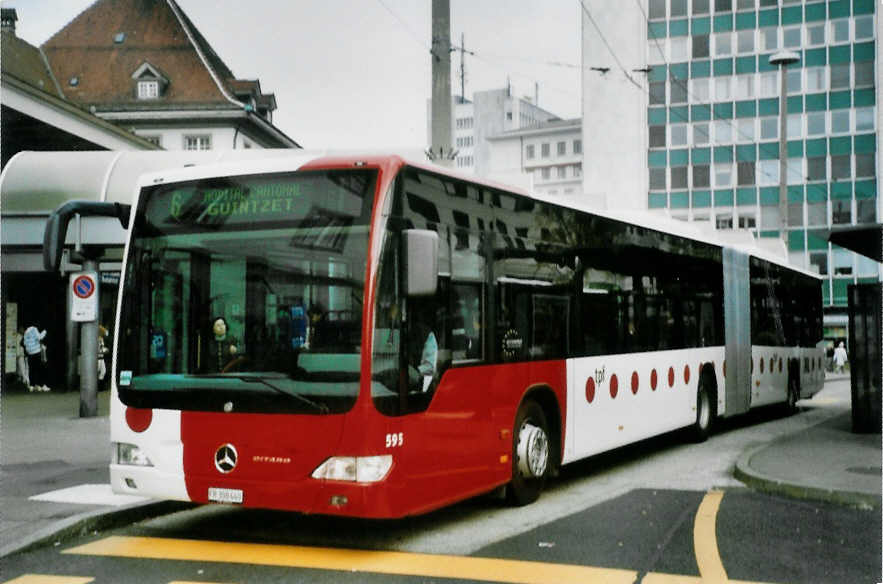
(533, 451)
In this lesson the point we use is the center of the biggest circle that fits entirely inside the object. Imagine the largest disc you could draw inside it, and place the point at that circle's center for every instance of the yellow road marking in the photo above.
(398, 563)
(44, 579)
(656, 578)
(711, 568)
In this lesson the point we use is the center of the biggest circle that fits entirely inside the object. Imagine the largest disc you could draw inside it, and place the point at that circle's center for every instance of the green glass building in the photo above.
(712, 120)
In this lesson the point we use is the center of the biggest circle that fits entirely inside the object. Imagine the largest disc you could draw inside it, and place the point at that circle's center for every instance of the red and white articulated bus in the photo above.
(370, 337)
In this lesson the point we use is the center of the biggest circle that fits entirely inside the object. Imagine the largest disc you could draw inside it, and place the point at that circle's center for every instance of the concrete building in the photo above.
(684, 121)
(545, 158)
(488, 114)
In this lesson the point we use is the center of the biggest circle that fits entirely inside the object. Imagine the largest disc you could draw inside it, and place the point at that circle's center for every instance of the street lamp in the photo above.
(782, 59)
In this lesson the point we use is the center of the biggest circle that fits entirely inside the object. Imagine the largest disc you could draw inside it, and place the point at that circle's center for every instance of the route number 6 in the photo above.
(395, 440)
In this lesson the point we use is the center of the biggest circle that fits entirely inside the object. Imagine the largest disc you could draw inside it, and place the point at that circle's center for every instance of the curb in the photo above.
(767, 484)
(98, 520)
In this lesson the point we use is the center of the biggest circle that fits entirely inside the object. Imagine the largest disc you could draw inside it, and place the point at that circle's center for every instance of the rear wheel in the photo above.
(704, 414)
(531, 454)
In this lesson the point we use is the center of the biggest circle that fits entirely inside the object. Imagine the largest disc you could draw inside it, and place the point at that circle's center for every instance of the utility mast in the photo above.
(440, 149)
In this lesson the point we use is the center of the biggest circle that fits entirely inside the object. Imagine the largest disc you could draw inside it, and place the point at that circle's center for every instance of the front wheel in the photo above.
(531, 454)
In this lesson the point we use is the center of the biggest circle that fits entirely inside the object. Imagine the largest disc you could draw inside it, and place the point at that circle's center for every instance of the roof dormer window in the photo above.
(148, 89)
(149, 82)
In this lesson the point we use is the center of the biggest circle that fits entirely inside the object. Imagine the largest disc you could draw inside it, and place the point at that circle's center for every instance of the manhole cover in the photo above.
(866, 470)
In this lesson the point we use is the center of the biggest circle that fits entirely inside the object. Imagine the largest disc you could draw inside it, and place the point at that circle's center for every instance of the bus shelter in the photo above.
(865, 331)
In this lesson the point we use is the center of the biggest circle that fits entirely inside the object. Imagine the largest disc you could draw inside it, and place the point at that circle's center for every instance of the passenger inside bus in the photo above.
(223, 353)
(422, 346)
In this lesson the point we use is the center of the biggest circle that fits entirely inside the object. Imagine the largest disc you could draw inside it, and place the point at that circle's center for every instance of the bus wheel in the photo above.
(793, 395)
(531, 454)
(704, 414)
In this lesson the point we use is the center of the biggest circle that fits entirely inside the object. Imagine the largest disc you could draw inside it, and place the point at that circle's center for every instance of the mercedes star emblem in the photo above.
(225, 458)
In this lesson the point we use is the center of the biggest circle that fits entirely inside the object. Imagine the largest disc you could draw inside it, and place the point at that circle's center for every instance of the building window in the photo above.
(678, 8)
(864, 165)
(657, 179)
(819, 261)
(816, 168)
(815, 123)
(723, 5)
(815, 34)
(700, 46)
(546, 173)
(657, 93)
(745, 173)
(794, 171)
(769, 84)
(678, 91)
(795, 126)
(723, 132)
(724, 221)
(840, 75)
(745, 41)
(562, 172)
(578, 146)
(815, 79)
(723, 88)
(794, 80)
(529, 151)
(576, 170)
(678, 135)
(701, 176)
(201, 142)
(767, 172)
(745, 128)
(700, 92)
(817, 213)
(723, 174)
(841, 211)
(864, 73)
(745, 5)
(148, 89)
(700, 7)
(769, 128)
(864, 119)
(156, 140)
(678, 49)
(791, 37)
(723, 44)
(795, 214)
(700, 133)
(769, 38)
(679, 177)
(657, 136)
(864, 27)
(747, 221)
(866, 210)
(841, 166)
(840, 121)
(545, 150)
(840, 31)
(562, 148)
(657, 9)
(745, 86)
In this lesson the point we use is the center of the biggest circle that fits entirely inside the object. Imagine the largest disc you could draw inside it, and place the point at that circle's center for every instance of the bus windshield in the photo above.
(245, 293)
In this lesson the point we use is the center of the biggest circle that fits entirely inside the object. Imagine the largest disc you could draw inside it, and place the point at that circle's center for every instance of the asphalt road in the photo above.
(656, 512)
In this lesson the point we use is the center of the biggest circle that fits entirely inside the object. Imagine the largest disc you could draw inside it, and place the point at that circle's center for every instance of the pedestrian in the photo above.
(102, 352)
(35, 351)
(840, 357)
(21, 361)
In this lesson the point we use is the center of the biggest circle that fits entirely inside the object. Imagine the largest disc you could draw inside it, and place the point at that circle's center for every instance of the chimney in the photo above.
(8, 16)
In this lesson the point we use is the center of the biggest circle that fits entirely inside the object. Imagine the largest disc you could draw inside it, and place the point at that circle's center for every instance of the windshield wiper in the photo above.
(321, 408)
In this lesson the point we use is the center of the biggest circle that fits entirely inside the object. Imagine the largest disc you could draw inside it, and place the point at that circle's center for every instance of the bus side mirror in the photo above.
(55, 231)
(421, 261)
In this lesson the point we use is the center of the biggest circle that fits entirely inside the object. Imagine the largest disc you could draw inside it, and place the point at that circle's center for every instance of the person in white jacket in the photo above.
(33, 343)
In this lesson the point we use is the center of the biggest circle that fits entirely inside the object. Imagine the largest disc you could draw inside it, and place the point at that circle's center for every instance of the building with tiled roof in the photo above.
(36, 114)
(143, 64)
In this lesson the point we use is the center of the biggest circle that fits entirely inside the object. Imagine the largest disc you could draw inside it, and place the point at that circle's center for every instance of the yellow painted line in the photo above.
(708, 558)
(655, 578)
(45, 579)
(378, 562)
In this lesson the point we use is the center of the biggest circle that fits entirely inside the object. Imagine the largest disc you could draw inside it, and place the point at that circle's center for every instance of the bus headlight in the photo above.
(129, 454)
(359, 469)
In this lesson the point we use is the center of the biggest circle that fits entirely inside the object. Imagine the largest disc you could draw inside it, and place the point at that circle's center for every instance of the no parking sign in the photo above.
(84, 296)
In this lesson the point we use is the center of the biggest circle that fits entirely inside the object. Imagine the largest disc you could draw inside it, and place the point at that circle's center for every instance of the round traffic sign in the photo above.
(84, 286)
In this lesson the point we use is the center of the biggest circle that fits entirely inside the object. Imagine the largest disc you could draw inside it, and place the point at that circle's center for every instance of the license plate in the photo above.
(218, 495)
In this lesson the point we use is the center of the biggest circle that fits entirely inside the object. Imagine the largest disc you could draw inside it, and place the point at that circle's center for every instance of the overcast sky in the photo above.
(356, 73)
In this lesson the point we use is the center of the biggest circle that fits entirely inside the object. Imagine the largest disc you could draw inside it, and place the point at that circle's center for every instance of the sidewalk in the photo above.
(54, 467)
